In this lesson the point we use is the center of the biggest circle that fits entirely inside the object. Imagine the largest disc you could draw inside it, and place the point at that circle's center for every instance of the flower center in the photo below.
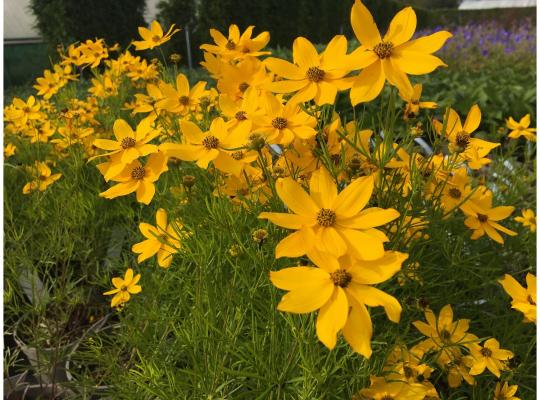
(210, 142)
(123, 288)
(482, 218)
(445, 335)
(240, 116)
(463, 139)
(341, 278)
(137, 173)
(408, 372)
(184, 100)
(230, 45)
(387, 397)
(326, 217)
(315, 74)
(486, 352)
(279, 123)
(238, 155)
(383, 49)
(243, 86)
(127, 142)
(155, 38)
(455, 193)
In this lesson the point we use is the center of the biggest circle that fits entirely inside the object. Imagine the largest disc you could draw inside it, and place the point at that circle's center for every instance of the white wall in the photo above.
(486, 4)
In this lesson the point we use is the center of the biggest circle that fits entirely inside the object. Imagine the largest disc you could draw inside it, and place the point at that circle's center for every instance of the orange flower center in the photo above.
(127, 142)
(486, 352)
(243, 87)
(463, 139)
(445, 335)
(230, 45)
(315, 74)
(156, 38)
(326, 217)
(341, 277)
(455, 193)
(138, 173)
(482, 218)
(383, 50)
(184, 100)
(240, 115)
(279, 123)
(237, 155)
(210, 142)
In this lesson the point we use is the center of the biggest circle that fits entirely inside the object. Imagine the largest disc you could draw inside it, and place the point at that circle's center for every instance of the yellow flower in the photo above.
(523, 300)
(25, 110)
(136, 178)
(472, 150)
(505, 392)
(380, 389)
(163, 240)
(521, 128)
(215, 145)
(93, 52)
(312, 76)
(181, 100)
(456, 191)
(412, 96)
(489, 356)
(283, 123)
(527, 219)
(328, 221)
(237, 46)
(482, 218)
(124, 288)
(9, 150)
(341, 289)
(42, 178)
(443, 331)
(154, 36)
(236, 79)
(391, 57)
(128, 145)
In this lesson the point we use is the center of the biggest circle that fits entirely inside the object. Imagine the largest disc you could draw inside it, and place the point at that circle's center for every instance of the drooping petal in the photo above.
(362, 245)
(332, 317)
(358, 330)
(368, 84)
(377, 271)
(296, 244)
(374, 297)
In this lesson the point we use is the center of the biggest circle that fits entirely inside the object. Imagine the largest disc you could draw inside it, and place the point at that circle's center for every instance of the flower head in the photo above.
(154, 36)
(124, 288)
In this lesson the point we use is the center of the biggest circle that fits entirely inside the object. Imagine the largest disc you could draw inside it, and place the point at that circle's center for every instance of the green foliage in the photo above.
(65, 21)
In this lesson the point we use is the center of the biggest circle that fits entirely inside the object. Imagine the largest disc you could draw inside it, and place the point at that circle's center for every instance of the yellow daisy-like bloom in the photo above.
(237, 46)
(124, 288)
(42, 178)
(217, 145)
(523, 300)
(313, 76)
(23, 111)
(237, 78)
(521, 128)
(483, 219)
(340, 289)
(181, 100)
(93, 52)
(472, 150)
(527, 219)
(128, 145)
(281, 124)
(162, 239)
(137, 178)
(489, 356)
(505, 392)
(380, 389)
(412, 96)
(328, 221)
(391, 57)
(443, 331)
(154, 36)
(9, 150)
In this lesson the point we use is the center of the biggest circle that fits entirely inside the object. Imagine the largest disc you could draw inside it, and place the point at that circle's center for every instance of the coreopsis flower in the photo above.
(457, 367)
(340, 289)
(242, 111)
(42, 178)
(236, 79)
(128, 146)
(154, 36)
(391, 57)
(137, 178)
(456, 191)
(521, 128)
(74, 56)
(505, 392)
(405, 365)
(328, 221)
(148, 103)
(444, 331)
(41, 132)
(23, 111)
(9, 150)
(527, 219)
(483, 219)
(162, 239)
(489, 356)
(472, 150)
(181, 100)
(523, 300)
(237, 46)
(217, 145)
(124, 288)
(412, 94)
(93, 52)
(281, 124)
(104, 87)
(381, 389)
(48, 85)
(312, 76)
